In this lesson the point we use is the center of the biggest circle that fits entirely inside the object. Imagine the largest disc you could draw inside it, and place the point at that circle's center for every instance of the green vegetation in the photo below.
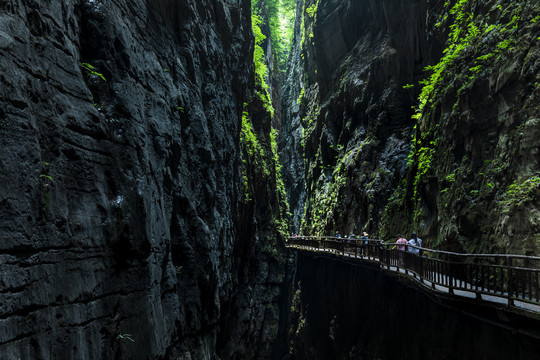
(324, 208)
(261, 170)
(448, 176)
(324, 205)
(48, 177)
(309, 14)
(261, 70)
(91, 71)
(249, 140)
(298, 320)
(472, 44)
(519, 194)
(470, 37)
(281, 14)
(281, 222)
(253, 152)
(300, 97)
(312, 9)
(261, 165)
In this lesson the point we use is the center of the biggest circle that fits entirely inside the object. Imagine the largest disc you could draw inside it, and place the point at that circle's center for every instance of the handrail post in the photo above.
(386, 255)
(509, 287)
(449, 276)
(380, 250)
(421, 267)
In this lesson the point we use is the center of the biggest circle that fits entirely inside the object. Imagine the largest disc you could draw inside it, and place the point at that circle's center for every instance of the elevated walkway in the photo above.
(510, 282)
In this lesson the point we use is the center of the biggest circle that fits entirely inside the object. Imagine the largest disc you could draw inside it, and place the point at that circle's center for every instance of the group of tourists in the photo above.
(401, 243)
(352, 236)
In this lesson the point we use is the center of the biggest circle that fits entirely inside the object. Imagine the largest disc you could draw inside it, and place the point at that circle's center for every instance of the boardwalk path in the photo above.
(508, 280)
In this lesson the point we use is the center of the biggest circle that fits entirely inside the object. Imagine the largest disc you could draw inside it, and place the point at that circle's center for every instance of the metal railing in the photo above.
(514, 277)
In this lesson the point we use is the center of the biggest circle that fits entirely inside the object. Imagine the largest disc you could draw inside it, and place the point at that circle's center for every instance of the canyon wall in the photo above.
(410, 116)
(291, 135)
(417, 116)
(128, 229)
(473, 181)
(351, 60)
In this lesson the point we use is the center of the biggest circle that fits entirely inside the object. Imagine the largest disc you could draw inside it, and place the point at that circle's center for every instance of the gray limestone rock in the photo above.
(120, 189)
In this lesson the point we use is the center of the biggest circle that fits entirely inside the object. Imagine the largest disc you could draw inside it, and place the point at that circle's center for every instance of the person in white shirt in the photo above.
(416, 241)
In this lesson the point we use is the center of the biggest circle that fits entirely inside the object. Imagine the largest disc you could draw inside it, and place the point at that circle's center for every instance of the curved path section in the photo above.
(510, 280)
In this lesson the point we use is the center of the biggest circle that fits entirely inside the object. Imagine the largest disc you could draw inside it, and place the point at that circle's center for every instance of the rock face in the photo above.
(454, 158)
(124, 228)
(387, 147)
(291, 135)
(353, 57)
(473, 184)
(343, 310)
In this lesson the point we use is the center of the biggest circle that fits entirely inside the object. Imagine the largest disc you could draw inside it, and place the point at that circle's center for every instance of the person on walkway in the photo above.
(400, 240)
(352, 239)
(416, 241)
(364, 242)
(417, 261)
(401, 248)
(338, 235)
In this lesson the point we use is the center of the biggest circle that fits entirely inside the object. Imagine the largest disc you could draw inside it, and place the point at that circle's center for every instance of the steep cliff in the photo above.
(473, 180)
(417, 116)
(290, 141)
(128, 229)
(353, 57)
